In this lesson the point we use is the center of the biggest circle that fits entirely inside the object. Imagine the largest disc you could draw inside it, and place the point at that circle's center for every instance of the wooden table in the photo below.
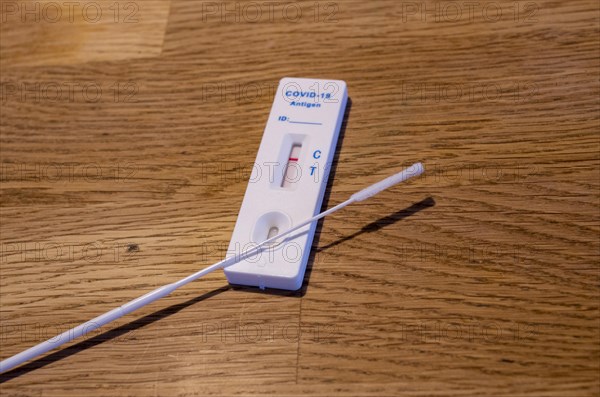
(128, 132)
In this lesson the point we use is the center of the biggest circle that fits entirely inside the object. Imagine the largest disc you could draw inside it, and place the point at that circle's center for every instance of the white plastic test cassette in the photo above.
(288, 182)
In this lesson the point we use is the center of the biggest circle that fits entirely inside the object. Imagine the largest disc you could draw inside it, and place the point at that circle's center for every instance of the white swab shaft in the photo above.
(95, 323)
(412, 171)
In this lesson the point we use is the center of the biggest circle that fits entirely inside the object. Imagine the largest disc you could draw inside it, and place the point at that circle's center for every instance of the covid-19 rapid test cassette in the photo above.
(288, 182)
(273, 234)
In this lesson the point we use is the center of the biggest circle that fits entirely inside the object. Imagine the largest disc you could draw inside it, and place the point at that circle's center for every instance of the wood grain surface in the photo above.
(127, 139)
